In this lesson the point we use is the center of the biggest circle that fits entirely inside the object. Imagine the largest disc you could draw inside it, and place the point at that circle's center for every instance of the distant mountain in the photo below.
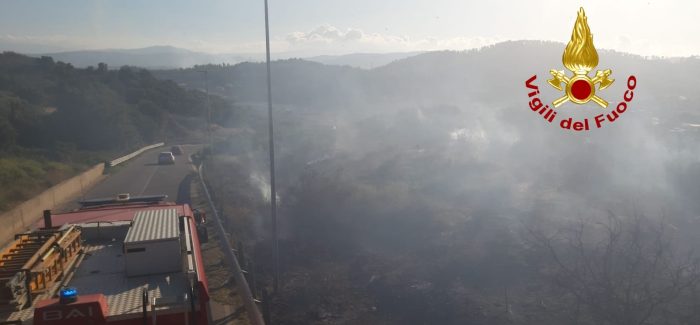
(362, 60)
(168, 57)
(154, 57)
(494, 74)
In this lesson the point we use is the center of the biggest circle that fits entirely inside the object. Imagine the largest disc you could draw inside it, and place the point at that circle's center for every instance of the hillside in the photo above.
(168, 57)
(153, 57)
(361, 60)
(56, 119)
(445, 77)
(427, 191)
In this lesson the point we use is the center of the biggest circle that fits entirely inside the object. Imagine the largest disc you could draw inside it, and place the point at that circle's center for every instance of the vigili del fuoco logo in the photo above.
(580, 57)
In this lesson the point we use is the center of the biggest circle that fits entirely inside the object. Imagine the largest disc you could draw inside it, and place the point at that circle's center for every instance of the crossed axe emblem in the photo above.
(580, 88)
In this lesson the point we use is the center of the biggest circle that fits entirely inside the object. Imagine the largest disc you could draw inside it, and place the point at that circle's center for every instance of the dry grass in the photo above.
(221, 286)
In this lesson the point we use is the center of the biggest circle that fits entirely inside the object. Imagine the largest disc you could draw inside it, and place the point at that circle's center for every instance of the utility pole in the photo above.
(273, 193)
(206, 90)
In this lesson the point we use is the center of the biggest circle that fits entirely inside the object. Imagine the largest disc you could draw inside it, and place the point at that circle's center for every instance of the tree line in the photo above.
(44, 103)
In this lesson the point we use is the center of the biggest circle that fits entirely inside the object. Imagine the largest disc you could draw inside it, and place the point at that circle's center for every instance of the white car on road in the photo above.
(166, 158)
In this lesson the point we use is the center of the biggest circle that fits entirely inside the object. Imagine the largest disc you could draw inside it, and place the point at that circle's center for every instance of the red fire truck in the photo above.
(127, 260)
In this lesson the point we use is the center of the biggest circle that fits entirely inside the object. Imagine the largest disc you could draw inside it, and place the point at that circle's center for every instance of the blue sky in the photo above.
(312, 27)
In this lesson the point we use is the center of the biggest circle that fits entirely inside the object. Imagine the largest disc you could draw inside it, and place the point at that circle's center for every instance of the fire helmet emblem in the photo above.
(580, 57)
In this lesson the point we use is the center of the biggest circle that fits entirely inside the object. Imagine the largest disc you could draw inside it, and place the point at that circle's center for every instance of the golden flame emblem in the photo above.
(580, 56)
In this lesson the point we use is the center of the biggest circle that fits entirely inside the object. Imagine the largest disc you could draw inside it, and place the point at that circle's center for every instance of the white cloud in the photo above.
(328, 38)
(36, 44)
(24, 38)
(326, 34)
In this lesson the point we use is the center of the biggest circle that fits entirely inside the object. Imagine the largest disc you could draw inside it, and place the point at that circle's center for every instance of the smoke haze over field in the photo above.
(472, 108)
(418, 179)
(440, 152)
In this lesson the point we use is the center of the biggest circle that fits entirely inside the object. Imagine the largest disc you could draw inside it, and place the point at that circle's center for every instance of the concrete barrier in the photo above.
(29, 212)
(26, 214)
(132, 155)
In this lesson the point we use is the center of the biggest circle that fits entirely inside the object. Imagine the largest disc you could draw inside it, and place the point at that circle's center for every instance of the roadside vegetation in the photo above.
(22, 178)
(56, 120)
(423, 192)
(378, 250)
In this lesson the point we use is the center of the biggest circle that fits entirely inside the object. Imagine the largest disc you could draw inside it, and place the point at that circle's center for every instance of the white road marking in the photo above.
(148, 181)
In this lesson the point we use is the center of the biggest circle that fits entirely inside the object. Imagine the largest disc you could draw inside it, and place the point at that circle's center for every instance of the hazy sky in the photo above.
(310, 27)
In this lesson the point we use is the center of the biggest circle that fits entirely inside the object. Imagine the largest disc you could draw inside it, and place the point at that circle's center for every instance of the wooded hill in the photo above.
(56, 119)
(43, 103)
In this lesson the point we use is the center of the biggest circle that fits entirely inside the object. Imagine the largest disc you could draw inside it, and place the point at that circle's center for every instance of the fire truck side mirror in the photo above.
(199, 216)
(203, 234)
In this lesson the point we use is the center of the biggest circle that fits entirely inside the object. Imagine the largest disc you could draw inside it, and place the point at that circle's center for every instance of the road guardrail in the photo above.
(244, 291)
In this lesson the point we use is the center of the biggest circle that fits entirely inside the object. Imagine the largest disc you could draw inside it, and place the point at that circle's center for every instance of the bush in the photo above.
(22, 178)
(625, 271)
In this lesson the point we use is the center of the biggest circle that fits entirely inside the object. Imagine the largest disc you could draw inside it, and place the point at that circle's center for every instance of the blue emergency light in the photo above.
(68, 295)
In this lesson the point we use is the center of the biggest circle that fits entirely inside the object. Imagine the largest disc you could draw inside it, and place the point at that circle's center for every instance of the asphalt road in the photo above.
(143, 176)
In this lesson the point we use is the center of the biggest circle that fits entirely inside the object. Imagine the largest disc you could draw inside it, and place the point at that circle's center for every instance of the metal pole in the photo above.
(266, 306)
(144, 305)
(206, 90)
(273, 193)
(28, 286)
